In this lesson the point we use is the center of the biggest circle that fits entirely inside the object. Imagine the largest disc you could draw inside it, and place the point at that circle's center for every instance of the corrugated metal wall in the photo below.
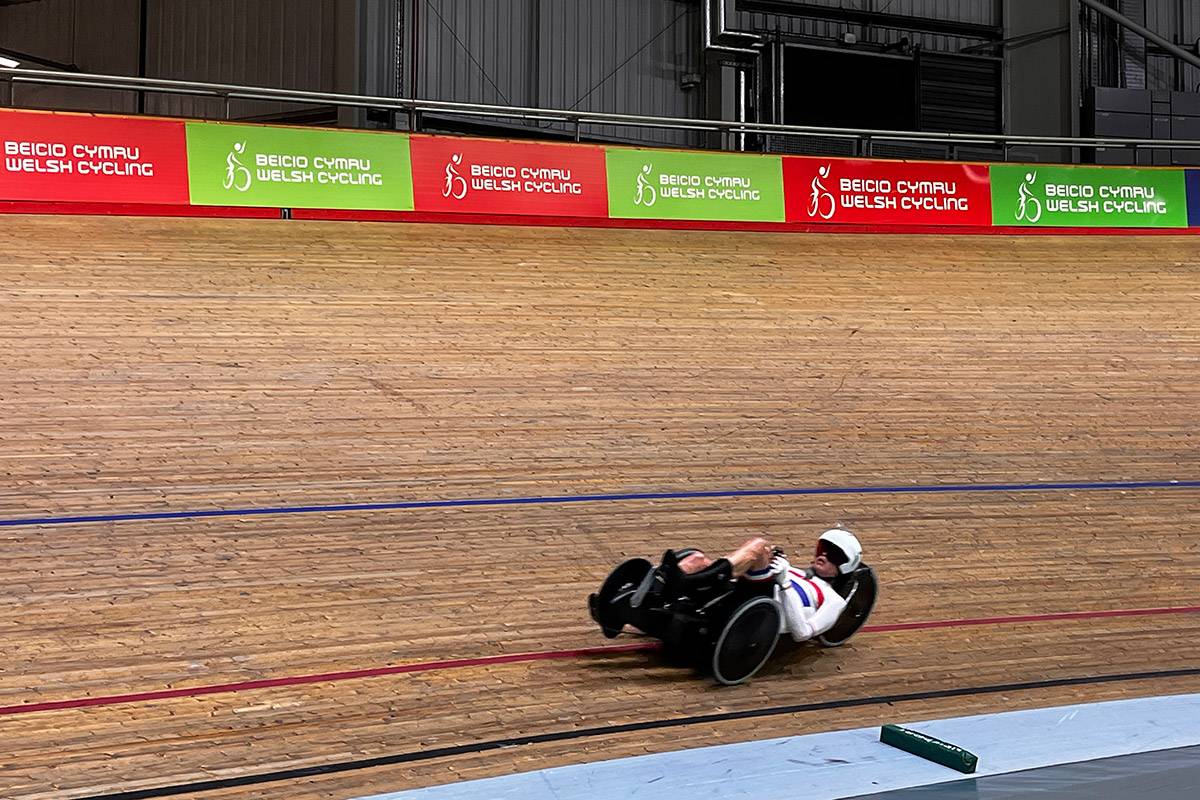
(605, 55)
(636, 68)
(95, 35)
(300, 44)
(627, 56)
(38, 28)
(1114, 56)
(475, 52)
(1178, 20)
(291, 44)
(1133, 47)
(1039, 105)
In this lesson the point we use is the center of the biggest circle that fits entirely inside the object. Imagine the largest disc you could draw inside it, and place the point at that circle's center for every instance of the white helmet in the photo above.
(847, 542)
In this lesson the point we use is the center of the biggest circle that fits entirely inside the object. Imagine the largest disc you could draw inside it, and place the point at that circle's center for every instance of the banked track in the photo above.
(165, 366)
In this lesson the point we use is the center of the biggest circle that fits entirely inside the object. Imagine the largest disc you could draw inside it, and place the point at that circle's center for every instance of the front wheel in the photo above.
(610, 606)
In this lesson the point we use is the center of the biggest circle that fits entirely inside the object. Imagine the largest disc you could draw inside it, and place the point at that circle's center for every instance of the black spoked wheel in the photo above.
(609, 606)
(747, 641)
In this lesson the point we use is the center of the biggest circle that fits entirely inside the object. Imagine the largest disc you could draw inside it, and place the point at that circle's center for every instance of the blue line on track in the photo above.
(599, 498)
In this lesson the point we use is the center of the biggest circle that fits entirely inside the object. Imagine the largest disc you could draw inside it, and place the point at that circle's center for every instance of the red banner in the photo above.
(75, 158)
(500, 177)
(833, 190)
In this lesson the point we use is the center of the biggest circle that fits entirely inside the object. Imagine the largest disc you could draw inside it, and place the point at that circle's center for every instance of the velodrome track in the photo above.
(697, 386)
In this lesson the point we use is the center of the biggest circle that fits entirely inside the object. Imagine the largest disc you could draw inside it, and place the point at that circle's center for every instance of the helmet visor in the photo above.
(833, 554)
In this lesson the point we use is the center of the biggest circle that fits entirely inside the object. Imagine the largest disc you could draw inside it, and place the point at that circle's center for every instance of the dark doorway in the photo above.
(844, 89)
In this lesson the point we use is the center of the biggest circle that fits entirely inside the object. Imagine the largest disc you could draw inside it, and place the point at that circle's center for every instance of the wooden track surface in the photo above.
(182, 364)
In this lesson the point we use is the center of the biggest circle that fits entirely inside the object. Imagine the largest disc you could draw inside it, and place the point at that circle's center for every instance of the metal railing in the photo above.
(414, 108)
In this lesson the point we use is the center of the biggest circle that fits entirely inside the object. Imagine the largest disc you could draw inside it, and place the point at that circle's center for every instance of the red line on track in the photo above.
(324, 677)
(960, 623)
(544, 655)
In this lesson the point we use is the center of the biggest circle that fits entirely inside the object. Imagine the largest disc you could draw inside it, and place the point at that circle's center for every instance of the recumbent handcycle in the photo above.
(711, 621)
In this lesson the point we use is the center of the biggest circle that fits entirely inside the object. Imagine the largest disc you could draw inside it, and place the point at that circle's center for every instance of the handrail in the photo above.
(228, 91)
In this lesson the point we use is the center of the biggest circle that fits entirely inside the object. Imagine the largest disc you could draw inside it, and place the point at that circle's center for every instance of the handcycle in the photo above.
(720, 625)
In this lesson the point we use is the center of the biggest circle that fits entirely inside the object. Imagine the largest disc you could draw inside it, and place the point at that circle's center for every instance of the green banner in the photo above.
(659, 184)
(252, 165)
(1102, 197)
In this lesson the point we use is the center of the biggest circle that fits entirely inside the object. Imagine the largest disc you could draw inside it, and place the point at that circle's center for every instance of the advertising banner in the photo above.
(661, 184)
(832, 190)
(1088, 197)
(80, 159)
(252, 165)
(1193, 193)
(497, 177)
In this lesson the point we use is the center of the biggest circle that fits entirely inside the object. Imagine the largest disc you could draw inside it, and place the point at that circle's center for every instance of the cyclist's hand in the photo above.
(780, 567)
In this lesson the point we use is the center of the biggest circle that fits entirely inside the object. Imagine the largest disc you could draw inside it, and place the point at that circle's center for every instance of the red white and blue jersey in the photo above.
(810, 605)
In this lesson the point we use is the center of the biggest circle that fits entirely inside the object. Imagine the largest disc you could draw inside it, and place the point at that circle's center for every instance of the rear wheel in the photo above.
(860, 601)
(747, 641)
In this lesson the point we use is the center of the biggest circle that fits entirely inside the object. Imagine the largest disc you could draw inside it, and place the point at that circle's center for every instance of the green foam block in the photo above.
(935, 750)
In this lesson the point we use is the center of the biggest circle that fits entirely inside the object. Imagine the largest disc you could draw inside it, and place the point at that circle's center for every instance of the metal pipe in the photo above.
(739, 107)
(143, 48)
(26, 58)
(416, 46)
(1017, 41)
(780, 74)
(723, 31)
(1143, 31)
(706, 12)
(115, 85)
(556, 115)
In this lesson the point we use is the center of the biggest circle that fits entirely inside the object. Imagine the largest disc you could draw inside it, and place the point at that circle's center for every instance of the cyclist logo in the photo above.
(1029, 208)
(821, 203)
(237, 176)
(456, 185)
(646, 193)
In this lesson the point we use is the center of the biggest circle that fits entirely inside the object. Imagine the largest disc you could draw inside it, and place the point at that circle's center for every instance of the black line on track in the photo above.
(583, 733)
